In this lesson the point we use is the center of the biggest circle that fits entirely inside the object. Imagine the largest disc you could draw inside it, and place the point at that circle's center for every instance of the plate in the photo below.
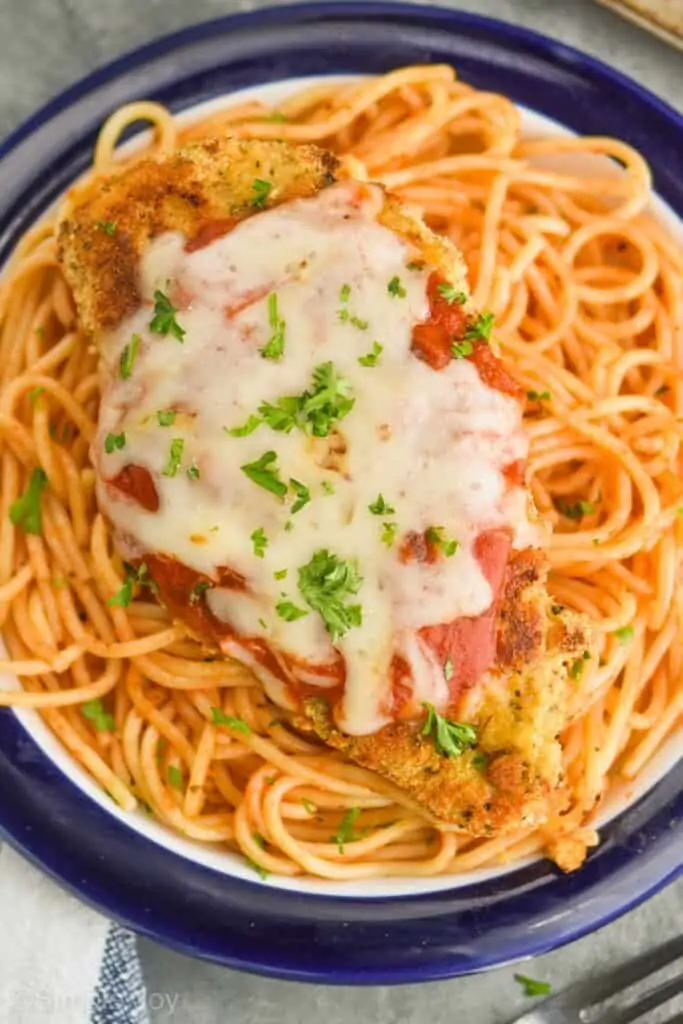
(176, 892)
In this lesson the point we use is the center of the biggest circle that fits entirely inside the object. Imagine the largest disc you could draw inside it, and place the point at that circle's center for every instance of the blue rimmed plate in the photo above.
(206, 906)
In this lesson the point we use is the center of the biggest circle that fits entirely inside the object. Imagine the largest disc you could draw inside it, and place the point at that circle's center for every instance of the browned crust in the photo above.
(199, 184)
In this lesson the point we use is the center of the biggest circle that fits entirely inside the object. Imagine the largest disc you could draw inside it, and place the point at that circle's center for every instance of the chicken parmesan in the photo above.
(310, 449)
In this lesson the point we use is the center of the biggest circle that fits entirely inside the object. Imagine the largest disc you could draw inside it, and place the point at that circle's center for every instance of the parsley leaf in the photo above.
(325, 583)
(327, 401)
(538, 396)
(34, 394)
(461, 349)
(261, 190)
(173, 465)
(303, 495)
(434, 535)
(198, 591)
(372, 358)
(166, 417)
(124, 595)
(379, 507)
(128, 356)
(114, 441)
(389, 533)
(164, 320)
(276, 346)
(247, 428)
(624, 635)
(26, 512)
(261, 872)
(283, 416)
(192, 472)
(328, 487)
(448, 669)
(264, 473)
(280, 574)
(289, 611)
(396, 289)
(451, 294)
(532, 987)
(480, 329)
(219, 717)
(577, 510)
(260, 542)
(449, 738)
(94, 711)
(309, 806)
(346, 832)
(174, 776)
(108, 226)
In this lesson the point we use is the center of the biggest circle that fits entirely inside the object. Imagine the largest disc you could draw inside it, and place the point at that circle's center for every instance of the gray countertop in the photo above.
(44, 46)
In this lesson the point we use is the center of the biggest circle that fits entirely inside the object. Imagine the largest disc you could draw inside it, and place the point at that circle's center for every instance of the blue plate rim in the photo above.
(163, 46)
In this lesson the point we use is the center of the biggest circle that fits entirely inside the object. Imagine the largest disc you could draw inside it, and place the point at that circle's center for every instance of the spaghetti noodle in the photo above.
(587, 289)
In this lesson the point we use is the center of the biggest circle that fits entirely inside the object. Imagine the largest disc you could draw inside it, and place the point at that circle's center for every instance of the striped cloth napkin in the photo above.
(62, 961)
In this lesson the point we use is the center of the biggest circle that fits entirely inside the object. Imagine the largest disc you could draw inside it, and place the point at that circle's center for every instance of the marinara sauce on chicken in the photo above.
(309, 444)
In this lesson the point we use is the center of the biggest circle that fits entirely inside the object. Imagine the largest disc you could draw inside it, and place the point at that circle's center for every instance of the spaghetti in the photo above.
(587, 290)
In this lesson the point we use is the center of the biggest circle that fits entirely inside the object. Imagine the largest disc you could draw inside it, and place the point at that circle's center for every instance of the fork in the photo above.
(609, 999)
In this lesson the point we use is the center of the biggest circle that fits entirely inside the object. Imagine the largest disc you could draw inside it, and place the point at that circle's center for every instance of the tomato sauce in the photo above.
(136, 482)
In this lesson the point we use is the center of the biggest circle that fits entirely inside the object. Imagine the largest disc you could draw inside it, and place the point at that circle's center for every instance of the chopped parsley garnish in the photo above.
(261, 190)
(175, 457)
(276, 346)
(112, 442)
(289, 526)
(450, 738)
(538, 396)
(128, 356)
(281, 574)
(164, 320)
(309, 806)
(247, 428)
(346, 832)
(326, 402)
(328, 487)
(192, 472)
(94, 711)
(260, 542)
(288, 611)
(389, 533)
(371, 358)
(303, 495)
(219, 717)
(577, 668)
(379, 507)
(265, 473)
(174, 776)
(480, 329)
(344, 314)
(480, 761)
(396, 289)
(166, 417)
(34, 394)
(26, 512)
(123, 596)
(315, 411)
(451, 294)
(198, 591)
(624, 635)
(108, 226)
(326, 583)
(576, 511)
(461, 349)
(448, 669)
(532, 987)
(415, 265)
(434, 535)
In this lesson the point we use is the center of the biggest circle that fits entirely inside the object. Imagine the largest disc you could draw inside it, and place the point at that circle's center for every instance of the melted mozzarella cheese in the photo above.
(432, 443)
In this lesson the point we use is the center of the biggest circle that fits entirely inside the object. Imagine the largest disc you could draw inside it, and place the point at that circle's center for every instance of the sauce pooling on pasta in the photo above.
(336, 500)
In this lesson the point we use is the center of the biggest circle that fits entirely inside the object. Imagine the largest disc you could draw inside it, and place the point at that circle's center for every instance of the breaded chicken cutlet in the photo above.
(319, 460)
